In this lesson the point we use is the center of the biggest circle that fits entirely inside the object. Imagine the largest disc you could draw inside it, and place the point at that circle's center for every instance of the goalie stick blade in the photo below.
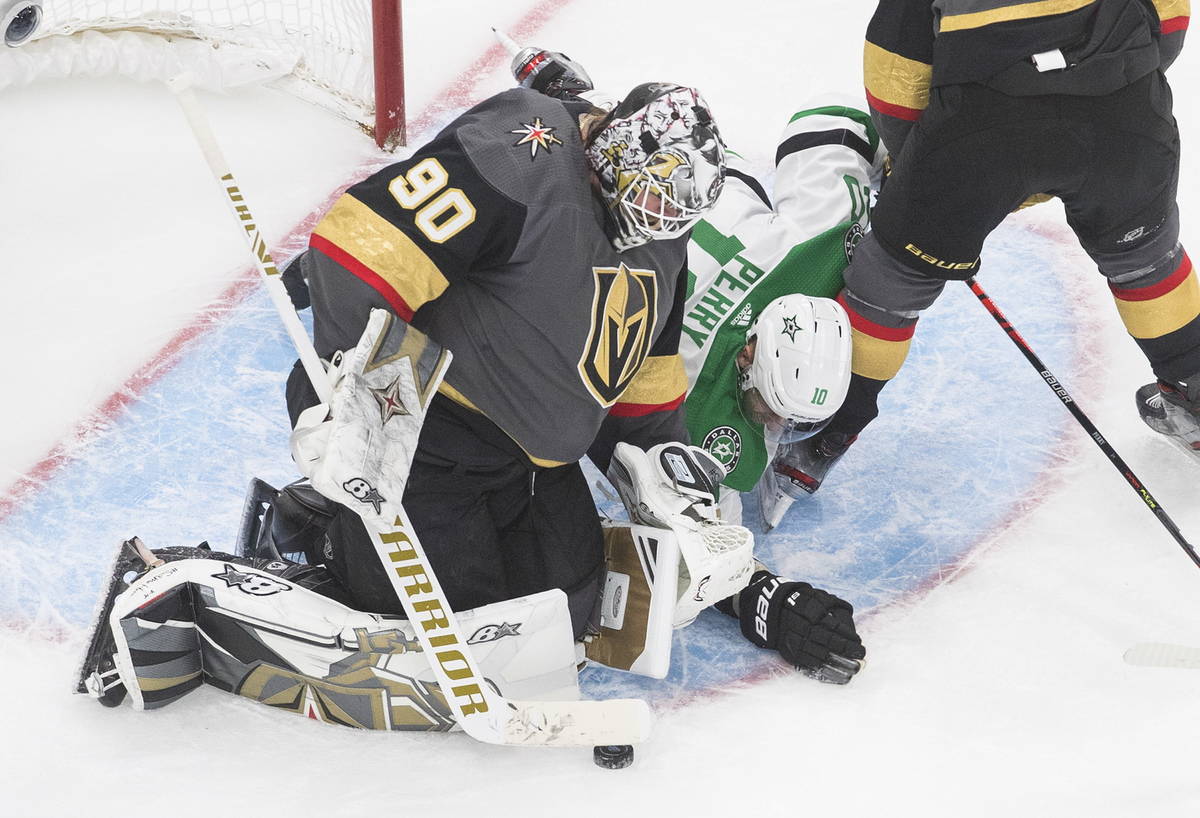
(1159, 654)
(578, 723)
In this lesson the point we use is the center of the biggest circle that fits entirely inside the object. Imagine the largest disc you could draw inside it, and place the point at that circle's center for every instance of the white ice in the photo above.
(998, 691)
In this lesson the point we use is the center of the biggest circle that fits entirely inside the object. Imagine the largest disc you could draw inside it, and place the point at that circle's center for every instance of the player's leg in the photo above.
(953, 183)
(455, 469)
(1126, 217)
(551, 538)
(177, 618)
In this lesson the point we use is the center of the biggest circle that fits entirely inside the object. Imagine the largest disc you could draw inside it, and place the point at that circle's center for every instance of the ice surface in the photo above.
(999, 565)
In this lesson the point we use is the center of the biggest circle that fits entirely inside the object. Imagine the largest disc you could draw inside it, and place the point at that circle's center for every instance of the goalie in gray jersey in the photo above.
(541, 242)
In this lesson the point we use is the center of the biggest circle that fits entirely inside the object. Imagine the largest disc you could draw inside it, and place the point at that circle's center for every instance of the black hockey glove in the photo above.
(551, 73)
(812, 629)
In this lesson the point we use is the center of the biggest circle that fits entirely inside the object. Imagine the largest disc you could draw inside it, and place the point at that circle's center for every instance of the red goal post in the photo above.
(344, 55)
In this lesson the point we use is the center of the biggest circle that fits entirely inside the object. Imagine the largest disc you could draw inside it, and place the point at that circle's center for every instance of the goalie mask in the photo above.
(660, 163)
(801, 367)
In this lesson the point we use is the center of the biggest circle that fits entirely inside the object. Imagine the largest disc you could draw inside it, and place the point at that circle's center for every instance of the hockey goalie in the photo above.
(271, 623)
(550, 265)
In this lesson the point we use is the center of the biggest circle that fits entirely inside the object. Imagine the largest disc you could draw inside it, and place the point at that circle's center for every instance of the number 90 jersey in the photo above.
(490, 240)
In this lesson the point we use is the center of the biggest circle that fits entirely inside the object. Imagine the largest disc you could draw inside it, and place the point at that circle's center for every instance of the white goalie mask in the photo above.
(801, 367)
(660, 162)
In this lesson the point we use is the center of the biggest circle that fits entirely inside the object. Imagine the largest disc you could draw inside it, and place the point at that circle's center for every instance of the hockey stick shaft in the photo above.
(479, 709)
(1084, 421)
(400, 546)
(258, 246)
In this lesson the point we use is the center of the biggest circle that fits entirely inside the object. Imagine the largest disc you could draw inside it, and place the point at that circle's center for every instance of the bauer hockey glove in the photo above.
(813, 630)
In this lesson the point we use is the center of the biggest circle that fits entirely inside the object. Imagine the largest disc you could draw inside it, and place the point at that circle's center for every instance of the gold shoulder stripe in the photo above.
(1020, 11)
(894, 79)
(458, 397)
(384, 250)
(661, 379)
(1170, 9)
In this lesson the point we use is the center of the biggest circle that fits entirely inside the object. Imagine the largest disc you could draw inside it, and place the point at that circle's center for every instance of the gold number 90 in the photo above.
(444, 216)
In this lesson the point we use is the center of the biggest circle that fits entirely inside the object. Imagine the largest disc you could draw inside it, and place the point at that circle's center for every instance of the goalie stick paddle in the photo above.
(481, 711)
(1085, 422)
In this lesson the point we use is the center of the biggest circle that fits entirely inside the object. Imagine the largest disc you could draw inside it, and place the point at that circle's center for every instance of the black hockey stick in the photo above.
(1085, 422)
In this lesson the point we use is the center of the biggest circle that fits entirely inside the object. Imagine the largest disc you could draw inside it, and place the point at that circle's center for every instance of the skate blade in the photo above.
(1183, 446)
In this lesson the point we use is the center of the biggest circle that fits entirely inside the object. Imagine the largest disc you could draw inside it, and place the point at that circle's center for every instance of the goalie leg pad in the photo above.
(256, 632)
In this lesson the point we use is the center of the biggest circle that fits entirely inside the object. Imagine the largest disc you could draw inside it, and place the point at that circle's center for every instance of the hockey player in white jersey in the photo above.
(766, 350)
(765, 346)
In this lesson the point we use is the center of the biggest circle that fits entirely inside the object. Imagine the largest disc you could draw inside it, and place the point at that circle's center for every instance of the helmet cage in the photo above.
(660, 163)
(660, 201)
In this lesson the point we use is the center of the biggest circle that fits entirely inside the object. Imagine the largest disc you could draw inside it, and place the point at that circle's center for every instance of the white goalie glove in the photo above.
(675, 486)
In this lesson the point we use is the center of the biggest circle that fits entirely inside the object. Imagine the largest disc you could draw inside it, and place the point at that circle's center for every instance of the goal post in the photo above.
(343, 55)
(390, 127)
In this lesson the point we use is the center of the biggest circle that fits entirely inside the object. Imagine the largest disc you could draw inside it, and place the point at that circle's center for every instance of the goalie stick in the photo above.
(1161, 654)
(481, 711)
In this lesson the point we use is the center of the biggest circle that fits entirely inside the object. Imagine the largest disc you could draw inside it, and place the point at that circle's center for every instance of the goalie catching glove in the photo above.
(675, 486)
(813, 630)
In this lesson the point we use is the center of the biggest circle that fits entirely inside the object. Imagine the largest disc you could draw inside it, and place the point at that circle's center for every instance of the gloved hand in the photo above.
(812, 629)
(551, 73)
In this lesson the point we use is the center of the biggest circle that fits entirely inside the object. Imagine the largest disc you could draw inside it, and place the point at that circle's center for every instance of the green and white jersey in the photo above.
(747, 252)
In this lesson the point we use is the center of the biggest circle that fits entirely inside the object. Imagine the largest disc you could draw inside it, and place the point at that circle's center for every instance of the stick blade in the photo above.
(1161, 654)
(578, 723)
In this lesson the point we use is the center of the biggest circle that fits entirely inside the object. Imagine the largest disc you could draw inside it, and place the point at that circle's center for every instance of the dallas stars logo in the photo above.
(536, 135)
(790, 328)
(725, 444)
(389, 400)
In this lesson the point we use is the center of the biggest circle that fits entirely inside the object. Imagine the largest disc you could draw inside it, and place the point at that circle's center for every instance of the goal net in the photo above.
(344, 55)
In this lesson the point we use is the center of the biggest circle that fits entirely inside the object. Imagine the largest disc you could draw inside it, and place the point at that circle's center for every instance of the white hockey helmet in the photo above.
(660, 162)
(801, 367)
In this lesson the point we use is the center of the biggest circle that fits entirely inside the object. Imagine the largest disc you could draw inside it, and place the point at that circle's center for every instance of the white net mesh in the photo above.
(326, 43)
(719, 539)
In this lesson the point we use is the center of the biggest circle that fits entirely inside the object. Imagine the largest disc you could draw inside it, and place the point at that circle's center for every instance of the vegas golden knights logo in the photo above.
(624, 311)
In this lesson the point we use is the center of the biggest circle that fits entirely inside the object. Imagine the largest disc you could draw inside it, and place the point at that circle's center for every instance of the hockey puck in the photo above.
(613, 756)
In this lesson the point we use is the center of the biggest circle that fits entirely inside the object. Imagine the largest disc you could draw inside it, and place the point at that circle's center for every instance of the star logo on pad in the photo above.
(390, 403)
(536, 135)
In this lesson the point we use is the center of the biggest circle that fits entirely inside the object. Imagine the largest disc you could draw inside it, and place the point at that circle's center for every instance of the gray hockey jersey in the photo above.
(490, 240)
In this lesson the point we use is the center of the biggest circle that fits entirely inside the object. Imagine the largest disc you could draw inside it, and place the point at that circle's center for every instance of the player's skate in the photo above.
(98, 675)
(1173, 410)
(798, 469)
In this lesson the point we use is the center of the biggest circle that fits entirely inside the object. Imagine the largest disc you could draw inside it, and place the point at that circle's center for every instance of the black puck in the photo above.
(613, 756)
